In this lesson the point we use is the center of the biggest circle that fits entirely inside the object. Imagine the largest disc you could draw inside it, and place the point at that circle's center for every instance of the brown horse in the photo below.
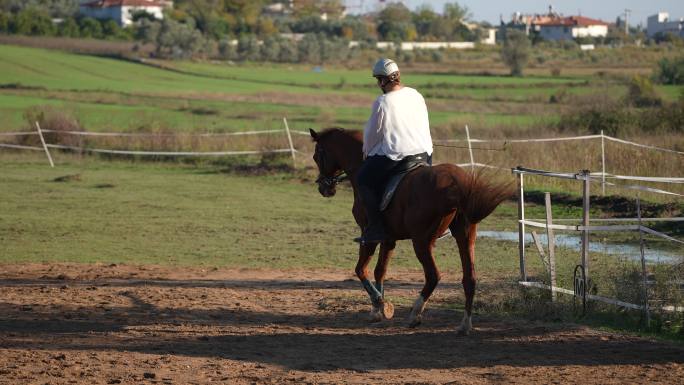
(428, 201)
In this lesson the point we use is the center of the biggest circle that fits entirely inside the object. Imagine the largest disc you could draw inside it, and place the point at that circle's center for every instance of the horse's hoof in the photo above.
(415, 322)
(388, 310)
(375, 315)
(461, 331)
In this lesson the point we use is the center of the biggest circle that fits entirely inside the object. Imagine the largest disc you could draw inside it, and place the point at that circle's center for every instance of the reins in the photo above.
(329, 181)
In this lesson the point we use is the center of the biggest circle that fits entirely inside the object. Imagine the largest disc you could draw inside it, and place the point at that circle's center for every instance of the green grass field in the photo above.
(114, 95)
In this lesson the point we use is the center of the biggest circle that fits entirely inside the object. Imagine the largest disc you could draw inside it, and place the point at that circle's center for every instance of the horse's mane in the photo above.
(338, 132)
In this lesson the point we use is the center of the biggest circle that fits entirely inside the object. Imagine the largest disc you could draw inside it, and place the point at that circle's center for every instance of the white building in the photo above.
(122, 11)
(571, 27)
(661, 23)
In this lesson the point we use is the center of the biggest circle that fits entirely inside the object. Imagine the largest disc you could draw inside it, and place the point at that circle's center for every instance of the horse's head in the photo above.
(329, 170)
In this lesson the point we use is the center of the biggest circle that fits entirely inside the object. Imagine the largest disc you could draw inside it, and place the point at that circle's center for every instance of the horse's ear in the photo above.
(313, 133)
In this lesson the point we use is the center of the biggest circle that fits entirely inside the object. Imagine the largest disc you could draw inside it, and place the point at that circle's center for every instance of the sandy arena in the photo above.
(119, 324)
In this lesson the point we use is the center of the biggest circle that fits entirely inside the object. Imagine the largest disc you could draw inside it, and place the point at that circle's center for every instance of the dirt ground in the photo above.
(120, 324)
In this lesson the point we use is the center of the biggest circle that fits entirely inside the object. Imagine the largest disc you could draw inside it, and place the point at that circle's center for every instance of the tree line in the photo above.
(196, 27)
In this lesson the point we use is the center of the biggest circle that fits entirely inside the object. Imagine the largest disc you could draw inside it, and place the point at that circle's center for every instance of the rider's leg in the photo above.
(371, 180)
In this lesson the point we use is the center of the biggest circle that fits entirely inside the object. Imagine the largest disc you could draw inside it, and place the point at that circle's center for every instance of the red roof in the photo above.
(121, 3)
(572, 21)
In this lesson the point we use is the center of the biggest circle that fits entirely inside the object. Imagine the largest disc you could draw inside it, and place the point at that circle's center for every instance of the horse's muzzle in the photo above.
(327, 186)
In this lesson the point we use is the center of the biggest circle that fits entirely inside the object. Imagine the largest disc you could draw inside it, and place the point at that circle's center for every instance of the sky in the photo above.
(606, 10)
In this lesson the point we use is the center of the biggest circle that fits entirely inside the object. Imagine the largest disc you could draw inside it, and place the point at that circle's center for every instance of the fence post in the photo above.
(585, 223)
(551, 245)
(603, 164)
(644, 273)
(289, 139)
(521, 228)
(42, 140)
(470, 148)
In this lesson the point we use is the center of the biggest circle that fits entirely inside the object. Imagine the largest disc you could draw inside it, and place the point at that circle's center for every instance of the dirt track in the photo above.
(98, 324)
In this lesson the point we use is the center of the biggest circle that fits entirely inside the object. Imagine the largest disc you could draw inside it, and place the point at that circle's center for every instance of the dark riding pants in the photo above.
(372, 179)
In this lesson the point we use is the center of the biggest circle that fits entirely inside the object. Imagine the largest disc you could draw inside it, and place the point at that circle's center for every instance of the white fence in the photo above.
(581, 285)
(603, 174)
(46, 146)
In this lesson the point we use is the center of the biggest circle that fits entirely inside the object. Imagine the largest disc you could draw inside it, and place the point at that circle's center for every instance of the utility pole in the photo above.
(627, 13)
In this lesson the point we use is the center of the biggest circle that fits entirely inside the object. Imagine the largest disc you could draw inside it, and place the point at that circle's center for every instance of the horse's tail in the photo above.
(476, 197)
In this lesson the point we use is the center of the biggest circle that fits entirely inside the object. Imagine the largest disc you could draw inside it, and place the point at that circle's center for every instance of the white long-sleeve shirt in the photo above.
(398, 125)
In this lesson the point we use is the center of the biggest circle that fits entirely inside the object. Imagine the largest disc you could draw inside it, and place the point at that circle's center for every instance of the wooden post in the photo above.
(603, 164)
(585, 222)
(470, 149)
(644, 272)
(289, 139)
(521, 228)
(42, 140)
(551, 245)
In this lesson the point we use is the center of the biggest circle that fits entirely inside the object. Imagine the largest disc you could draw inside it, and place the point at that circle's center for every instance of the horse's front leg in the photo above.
(365, 253)
(385, 309)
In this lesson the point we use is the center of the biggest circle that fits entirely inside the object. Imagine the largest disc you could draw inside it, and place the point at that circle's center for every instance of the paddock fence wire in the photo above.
(281, 141)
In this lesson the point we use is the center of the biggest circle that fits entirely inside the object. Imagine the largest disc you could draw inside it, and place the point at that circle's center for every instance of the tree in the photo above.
(90, 28)
(4, 22)
(288, 51)
(309, 49)
(248, 48)
(227, 50)
(33, 22)
(455, 12)
(69, 28)
(270, 50)
(180, 40)
(516, 51)
(395, 22)
(147, 31)
(424, 19)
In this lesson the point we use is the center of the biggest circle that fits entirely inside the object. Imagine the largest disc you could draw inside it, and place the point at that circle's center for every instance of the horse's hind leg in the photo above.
(423, 251)
(465, 238)
(385, 309)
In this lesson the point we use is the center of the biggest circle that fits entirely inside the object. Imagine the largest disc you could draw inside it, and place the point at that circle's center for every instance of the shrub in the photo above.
(670, 71)
(516, 51)
(641, 93)
(54, 119)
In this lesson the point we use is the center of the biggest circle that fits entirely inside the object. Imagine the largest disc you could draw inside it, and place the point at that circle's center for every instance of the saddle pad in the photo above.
(394, 183)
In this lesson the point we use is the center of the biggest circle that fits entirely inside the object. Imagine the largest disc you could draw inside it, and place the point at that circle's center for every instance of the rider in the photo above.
(398, 127)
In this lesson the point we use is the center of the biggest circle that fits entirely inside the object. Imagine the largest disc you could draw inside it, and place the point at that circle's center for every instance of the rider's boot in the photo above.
(375, 230)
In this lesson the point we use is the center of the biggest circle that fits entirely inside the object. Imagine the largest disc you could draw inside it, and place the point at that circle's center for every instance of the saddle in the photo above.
(406, 165)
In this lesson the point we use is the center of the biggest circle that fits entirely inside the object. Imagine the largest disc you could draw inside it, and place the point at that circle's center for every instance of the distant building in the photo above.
(554, 26)
(571, 27)
(122, 11)
(660, 23)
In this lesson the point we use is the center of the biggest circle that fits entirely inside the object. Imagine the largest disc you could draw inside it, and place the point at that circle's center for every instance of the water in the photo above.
(575, 243)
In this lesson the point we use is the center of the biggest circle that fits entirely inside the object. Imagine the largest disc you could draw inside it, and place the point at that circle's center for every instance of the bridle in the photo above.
(327, 181)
